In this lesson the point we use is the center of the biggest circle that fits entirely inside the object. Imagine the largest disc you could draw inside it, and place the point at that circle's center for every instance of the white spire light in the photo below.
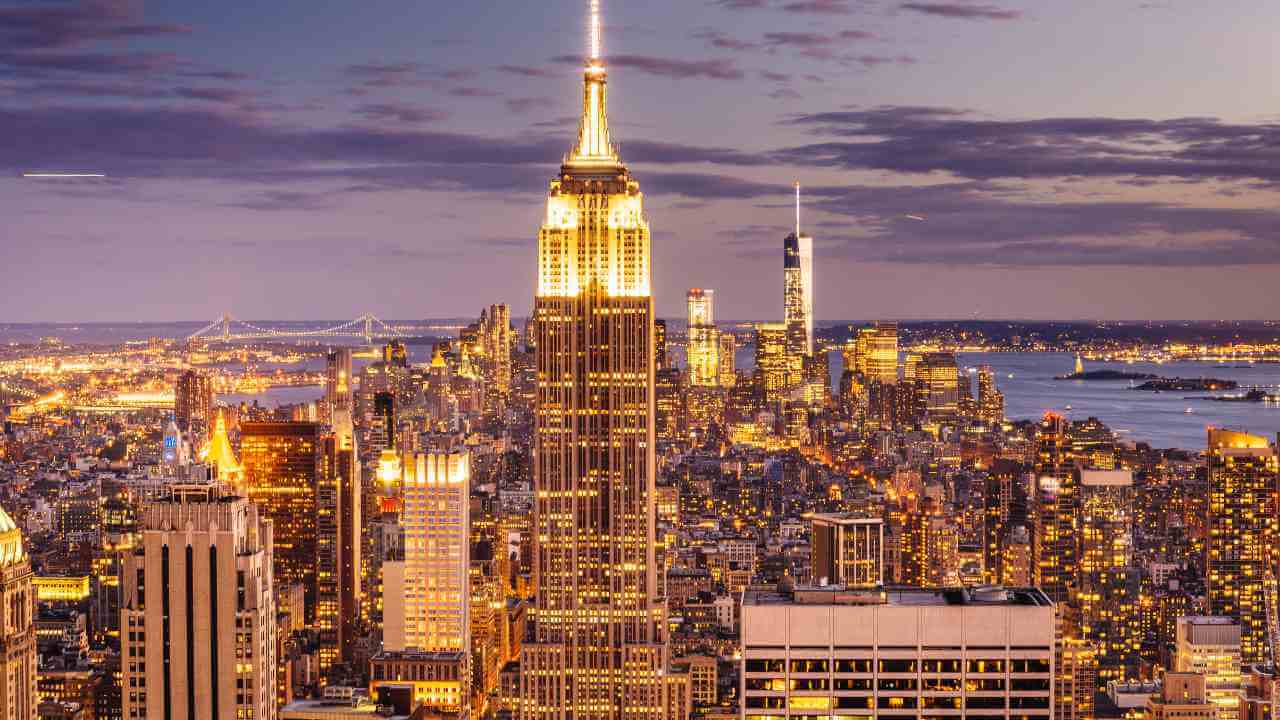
(595, 29)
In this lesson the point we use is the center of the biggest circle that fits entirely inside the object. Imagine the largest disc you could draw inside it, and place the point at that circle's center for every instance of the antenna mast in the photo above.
(797, 210)
(595, 30)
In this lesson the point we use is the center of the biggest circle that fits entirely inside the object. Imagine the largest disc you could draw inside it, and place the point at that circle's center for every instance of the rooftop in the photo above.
(899, 596)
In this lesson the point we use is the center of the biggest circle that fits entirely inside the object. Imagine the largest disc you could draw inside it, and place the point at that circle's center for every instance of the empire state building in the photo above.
(598, 637)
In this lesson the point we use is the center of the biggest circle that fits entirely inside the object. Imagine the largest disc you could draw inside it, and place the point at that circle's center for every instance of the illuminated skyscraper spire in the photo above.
(797, 208)
(593, 146)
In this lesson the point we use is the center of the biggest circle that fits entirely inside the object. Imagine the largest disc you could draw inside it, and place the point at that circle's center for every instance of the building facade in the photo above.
(198, 622)
(18, 656)
(598, 628)
(1242, 533)
(832, 652)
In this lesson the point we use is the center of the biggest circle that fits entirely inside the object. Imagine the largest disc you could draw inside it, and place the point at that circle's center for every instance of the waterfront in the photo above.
(1027, 380)
(1160, 419)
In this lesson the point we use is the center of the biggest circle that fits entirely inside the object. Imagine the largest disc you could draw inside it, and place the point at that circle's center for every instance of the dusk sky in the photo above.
(308, 159)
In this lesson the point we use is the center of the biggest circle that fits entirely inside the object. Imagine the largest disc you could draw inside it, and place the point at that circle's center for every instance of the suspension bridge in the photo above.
(229, 329)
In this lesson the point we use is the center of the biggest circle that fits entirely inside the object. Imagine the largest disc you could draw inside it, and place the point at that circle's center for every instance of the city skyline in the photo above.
(1086, 186)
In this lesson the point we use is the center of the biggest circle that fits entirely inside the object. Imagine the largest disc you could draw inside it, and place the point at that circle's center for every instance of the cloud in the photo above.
(385, 75)
(224, 75)
(401, 113)
(284, 200)
(819, 7)
(528, 71)
(218, 95)
(974, 223)
(928, 140)
(131, 143)
(41, 62)
(961, 11)
(521, 106)
(716, 69)
(720, 40)
(43, 26)
(742, 4)
(468, 91)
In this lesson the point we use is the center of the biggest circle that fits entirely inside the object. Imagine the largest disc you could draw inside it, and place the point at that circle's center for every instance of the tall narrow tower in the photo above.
(797, 288)
(597, 649)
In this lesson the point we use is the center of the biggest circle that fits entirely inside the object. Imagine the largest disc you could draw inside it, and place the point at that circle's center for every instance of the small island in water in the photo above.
(1187, 384)
(1107, 375)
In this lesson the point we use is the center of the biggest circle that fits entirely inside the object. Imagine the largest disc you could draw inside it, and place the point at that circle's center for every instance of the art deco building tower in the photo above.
(18, 657)
(597, 649)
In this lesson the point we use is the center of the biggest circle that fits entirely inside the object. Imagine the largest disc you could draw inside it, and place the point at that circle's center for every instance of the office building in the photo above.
(879, 353)
(1055, 510)
(897, 653)
(19, 660)
(847, 550)
(338, 387)
(1182, 697)
(990, 399)
(1075, 680)
(339, 526)
(282, 467)
(193, 402)
(776, 372)
(198, 624)
(1242, 533)
(598, 628)
(797, 288)
(427, 598)
(1212, 647)
(704, 339)
(660, 359)
(941, 378)
(726, 362)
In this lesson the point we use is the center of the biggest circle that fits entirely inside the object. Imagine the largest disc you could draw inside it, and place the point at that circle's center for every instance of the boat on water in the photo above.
(1189, 411)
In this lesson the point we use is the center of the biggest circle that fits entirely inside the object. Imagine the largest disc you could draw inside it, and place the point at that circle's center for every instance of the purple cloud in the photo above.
(62, 25)
(521, 106)
(528, 71)
(819, 7)
(961, 11)
(926, 140)
(400, 113)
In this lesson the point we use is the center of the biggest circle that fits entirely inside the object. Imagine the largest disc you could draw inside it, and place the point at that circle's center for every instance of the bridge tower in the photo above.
(368, 328)
(226, 326)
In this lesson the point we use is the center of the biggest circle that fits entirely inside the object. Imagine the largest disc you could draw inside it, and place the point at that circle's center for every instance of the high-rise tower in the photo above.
(597, 649)
(797, 288)
(19, 660)
(1243, 473)
(704, 341)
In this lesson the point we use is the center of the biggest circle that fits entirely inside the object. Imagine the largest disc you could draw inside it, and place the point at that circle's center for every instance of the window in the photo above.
(1030, 684)
(897, 703)
(1029, 666)
(897, 684)
(854, 666)
(1020, 703)
(984, 685)
(986, 666)
(897, 666)
(984, 703)
(853, 703)
(939, 666)
(766, 665)
(809, 666)
(809, 684)
(941, 703)
(853, 684)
